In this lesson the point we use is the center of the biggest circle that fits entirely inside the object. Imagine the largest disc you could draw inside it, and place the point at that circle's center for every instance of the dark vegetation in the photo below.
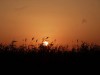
(43, 55)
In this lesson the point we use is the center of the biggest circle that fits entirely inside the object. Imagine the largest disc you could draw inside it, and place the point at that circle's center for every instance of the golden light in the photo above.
(45, 43)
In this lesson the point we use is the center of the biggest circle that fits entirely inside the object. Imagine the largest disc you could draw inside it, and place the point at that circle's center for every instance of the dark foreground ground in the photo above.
(46, 57)
(49, 61)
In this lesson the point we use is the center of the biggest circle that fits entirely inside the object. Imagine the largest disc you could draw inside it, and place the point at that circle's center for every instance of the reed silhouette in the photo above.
(31, 54)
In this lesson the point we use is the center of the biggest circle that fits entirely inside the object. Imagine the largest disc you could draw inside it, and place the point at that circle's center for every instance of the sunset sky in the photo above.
(64, 20)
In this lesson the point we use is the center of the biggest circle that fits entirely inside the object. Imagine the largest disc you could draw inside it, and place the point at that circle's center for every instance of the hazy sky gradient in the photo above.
(65, 20)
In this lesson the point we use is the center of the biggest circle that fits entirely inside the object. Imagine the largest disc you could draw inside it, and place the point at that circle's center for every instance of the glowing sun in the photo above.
(45, 43)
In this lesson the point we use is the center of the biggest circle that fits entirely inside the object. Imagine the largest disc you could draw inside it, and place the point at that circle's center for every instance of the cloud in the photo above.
(21, 8)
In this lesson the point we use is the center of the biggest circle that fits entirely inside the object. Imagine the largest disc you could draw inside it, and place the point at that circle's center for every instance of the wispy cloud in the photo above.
(21, 8)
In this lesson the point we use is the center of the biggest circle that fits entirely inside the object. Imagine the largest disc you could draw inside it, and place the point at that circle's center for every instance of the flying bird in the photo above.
(84, 21)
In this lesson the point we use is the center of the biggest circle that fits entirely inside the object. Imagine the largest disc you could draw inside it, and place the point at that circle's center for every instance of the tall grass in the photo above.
(84, 53)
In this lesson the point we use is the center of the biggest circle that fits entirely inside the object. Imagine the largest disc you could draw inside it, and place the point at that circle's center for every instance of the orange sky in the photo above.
(64, 20)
